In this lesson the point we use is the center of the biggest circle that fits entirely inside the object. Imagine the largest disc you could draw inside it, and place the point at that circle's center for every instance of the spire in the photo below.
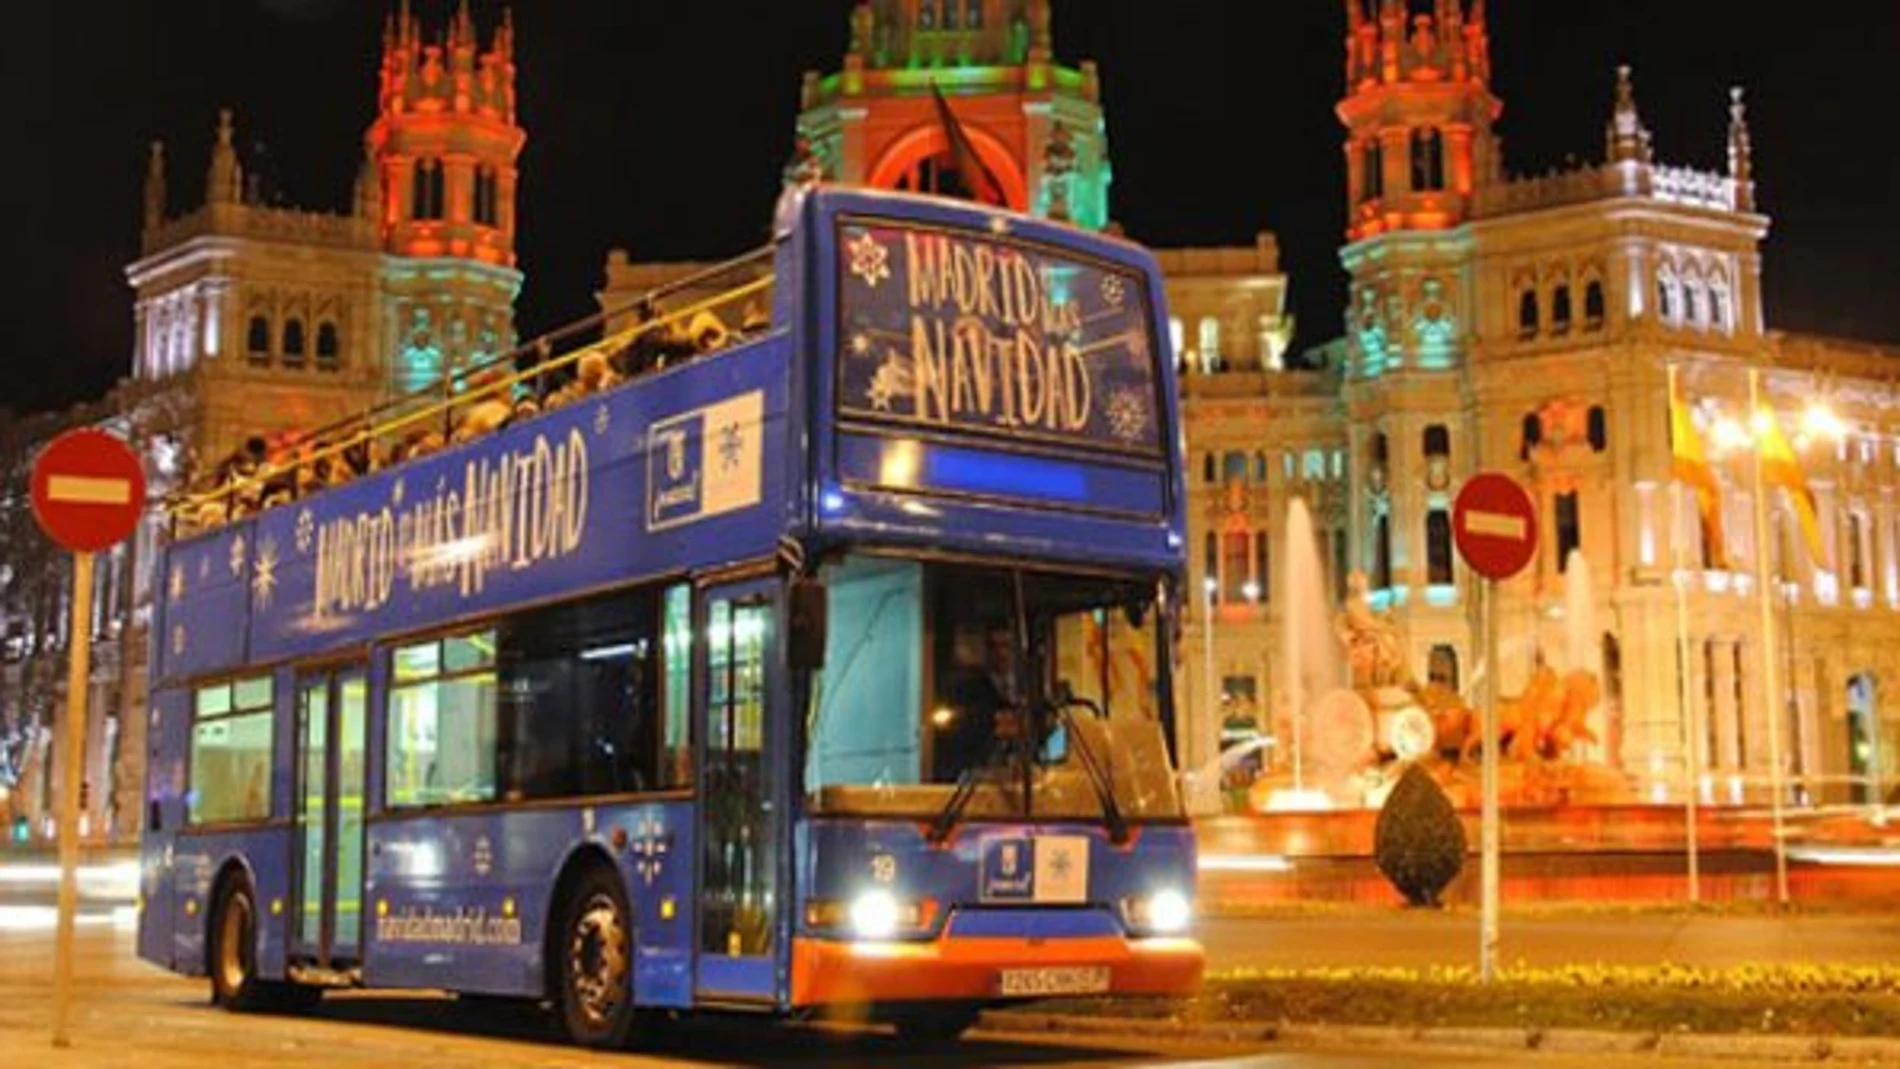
(504, 46)
(1041, 39)
(155, 187)
(1626, 138)
(369, 190)
(224, 182)
(1741, 166)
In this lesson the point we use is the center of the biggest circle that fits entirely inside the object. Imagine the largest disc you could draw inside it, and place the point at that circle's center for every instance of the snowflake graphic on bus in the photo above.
(682, 486)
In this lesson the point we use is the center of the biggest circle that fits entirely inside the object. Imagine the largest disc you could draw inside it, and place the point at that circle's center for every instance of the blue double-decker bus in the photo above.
(821, 668)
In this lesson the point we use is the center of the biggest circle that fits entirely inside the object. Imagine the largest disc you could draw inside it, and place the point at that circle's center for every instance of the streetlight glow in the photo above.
(1729, 434)
(1251, 590)
(1820, 421)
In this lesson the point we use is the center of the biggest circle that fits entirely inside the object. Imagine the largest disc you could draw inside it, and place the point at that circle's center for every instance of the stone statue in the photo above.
(1372, 644)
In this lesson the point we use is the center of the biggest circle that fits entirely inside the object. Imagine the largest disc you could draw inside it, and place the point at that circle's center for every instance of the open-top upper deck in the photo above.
(893, 369)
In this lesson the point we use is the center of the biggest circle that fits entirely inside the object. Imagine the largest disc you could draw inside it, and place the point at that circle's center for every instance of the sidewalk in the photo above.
(1375, 936)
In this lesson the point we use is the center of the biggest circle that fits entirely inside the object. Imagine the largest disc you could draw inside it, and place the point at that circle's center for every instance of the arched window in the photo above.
(1532, 436)
(973, 14)
(485, 187)
(1207, 468)
(1260, 468)
(1382, 552)
(1372, 164)
(1437, 441)
(257, 339)
(1438, 547)
(1527, 314)
(1428, 160)
(1720, 315)
(1599, 429)
(927, 15)
(1378, 451)
(1210, 344)
(293, 340)
(1262, 566)
(1593, 305)
(327, 347)
(1667, 297)
(1569, 528)
(419, 191)
(426, 191)
(1560, 309)
(947, 16)
(1177, 339)
(1856, 551)
(1695, 302)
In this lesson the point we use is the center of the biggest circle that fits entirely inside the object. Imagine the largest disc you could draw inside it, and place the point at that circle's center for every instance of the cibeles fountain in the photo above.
(1350, 715)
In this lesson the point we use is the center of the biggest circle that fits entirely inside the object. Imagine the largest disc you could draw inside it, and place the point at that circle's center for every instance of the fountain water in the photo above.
(1310, 660)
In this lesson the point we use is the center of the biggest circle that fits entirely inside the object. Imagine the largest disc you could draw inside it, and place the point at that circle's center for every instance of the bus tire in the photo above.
(592, 962)
(936, 1023)
(232, 957)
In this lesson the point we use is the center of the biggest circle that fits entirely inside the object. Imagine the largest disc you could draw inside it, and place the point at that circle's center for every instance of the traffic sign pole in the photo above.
(72, 771)
(1494, 524)
(1489, 834)
(88, 496)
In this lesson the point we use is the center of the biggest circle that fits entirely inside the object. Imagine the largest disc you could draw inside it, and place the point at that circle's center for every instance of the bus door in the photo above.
(741, 818)
(332, 733)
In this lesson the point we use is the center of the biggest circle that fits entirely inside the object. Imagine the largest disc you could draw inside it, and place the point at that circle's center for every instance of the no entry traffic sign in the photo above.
(88, 490)
(1494, 524)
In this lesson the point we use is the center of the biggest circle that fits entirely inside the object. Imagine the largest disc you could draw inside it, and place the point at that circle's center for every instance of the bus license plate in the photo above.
(1070, 980)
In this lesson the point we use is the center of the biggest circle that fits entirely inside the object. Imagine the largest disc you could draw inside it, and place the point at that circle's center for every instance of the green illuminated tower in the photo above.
(876, 121)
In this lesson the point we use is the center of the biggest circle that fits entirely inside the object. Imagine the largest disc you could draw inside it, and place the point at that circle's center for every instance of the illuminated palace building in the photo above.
(278, 319)
(1495, 322)
(256, 319)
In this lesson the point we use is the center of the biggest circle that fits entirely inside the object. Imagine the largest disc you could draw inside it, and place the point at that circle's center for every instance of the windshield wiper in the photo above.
(1098, 776)
(1001, 749)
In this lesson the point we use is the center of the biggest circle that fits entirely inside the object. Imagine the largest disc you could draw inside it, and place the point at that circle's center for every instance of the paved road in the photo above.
(1409, 938)
(130, 1014)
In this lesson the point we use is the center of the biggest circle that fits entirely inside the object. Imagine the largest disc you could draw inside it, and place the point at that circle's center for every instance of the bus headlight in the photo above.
(1166, 912)
(872, 915)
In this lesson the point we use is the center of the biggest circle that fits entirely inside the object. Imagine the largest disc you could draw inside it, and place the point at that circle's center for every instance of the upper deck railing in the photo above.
(717, 306)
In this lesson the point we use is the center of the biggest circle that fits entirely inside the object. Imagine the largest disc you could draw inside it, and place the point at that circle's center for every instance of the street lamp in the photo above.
(1212, 728)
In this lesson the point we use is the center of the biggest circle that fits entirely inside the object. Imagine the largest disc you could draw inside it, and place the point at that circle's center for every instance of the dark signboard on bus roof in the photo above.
(968, 333)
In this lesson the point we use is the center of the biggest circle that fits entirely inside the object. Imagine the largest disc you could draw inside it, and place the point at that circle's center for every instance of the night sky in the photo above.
(662, 127)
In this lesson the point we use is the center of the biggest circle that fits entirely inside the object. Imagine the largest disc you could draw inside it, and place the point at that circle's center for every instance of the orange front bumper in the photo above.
(829, 972)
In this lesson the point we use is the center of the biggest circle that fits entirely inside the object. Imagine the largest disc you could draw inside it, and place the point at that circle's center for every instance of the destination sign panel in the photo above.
(983, 334)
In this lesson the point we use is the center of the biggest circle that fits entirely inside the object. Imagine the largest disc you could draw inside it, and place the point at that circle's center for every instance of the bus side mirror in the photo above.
(809, 601)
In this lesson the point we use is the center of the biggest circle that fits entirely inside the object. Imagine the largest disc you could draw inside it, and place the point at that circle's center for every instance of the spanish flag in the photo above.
(1780, 467)
(1693, 469)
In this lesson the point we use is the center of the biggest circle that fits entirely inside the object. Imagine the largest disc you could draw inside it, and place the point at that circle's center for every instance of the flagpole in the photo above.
(1770, 668)
(1686, 720)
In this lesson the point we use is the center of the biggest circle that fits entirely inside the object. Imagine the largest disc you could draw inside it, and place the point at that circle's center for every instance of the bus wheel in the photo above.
(941, 1023)
(595, 959)
(235, 984)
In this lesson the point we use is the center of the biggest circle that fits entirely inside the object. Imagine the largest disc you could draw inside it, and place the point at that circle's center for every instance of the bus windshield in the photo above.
(925, 668)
